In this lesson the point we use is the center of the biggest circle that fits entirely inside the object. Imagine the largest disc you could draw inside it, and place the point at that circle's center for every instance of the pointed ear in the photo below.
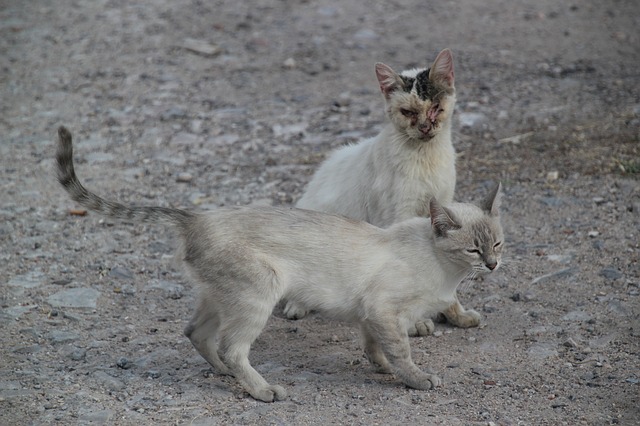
(388, 79)
(491, 204)
(442, 220)
(442, 68)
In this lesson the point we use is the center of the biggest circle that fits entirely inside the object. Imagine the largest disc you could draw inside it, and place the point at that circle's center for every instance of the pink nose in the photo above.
(425, 129)
(492, 266)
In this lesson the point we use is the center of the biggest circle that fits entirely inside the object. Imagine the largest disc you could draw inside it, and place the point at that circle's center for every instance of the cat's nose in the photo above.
(425, 129)
(492, 265)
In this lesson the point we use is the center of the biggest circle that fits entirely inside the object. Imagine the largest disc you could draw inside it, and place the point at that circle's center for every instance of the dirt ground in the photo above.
(200, 104)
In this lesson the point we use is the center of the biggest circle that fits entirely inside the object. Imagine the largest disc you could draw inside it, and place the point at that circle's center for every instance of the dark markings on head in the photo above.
(425, 88)
(407, 83)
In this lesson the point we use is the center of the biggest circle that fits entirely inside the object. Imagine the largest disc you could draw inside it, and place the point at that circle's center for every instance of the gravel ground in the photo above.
(202, 104)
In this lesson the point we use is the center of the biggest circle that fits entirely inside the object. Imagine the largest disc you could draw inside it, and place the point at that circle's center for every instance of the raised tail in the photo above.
(68, 179)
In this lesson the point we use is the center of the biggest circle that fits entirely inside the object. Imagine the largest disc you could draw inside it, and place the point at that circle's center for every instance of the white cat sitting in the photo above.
(391, 177)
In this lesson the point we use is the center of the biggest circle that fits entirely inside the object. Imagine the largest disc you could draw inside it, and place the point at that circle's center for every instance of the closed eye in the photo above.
(408, 113)
(473, 251)
(498, 244)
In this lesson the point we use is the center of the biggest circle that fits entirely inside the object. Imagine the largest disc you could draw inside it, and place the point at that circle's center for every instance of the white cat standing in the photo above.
(245, 260)
(391, 177)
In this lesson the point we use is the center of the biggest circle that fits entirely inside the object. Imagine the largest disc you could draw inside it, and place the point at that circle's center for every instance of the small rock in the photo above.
(365, 34)
(598, 200)
(184, 177)
(120, 272)
(153, 374)
(472, 119)
(551, 176)
(289, 63)
(108, 381)
(75, 298)
(611, 273)
(570, 343)
(78, 354)
(576, 316)
(563, 273)
(560, 258)
(437, 333)
(201, 47)
(28, 280)
(57, 337)
(124, 363)
(593, 234)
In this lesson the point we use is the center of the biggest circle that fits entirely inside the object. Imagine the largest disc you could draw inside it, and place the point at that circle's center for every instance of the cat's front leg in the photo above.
(394, 342)
(457, 315)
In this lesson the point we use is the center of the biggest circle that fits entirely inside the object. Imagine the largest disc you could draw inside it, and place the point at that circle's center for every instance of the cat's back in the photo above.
(339, 179)
(281, 224)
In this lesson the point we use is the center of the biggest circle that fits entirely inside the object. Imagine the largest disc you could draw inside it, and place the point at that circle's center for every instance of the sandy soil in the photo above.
(202, 104)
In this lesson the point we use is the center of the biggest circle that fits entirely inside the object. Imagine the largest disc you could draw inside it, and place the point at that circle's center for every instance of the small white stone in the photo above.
(184, 177)
(289, 63)
(593, 234)
(553, 175)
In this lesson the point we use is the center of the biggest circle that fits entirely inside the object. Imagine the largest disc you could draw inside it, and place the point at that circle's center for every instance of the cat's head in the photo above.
(470, 234)
(420, 102)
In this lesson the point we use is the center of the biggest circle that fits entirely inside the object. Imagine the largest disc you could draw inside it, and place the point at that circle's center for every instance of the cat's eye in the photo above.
(408, 113)
(498, 244)
(473, 251)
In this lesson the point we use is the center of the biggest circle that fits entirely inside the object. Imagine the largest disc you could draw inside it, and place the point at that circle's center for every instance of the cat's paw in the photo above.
(294, 312)
(435, 381)
(421, 328)
(269, 394)
(466, 319)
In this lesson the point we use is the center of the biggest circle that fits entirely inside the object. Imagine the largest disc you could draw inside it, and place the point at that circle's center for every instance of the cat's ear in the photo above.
(491, 204)
(442, 68)
(442, 219)
(388, 79)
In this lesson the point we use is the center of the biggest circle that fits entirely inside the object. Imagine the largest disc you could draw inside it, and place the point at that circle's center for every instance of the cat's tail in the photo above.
(68, 179)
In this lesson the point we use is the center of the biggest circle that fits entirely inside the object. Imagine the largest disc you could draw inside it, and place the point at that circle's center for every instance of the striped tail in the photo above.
(68, 179)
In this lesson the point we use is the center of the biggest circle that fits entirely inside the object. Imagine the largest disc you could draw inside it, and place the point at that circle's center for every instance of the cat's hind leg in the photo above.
(457, 315)
(294, 311)
(202, 331)
(394, 342)
(241, 325)
(374, 353)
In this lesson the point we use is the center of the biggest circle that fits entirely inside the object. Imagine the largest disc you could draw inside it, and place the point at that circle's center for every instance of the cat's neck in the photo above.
(415, 155)
(395, 140)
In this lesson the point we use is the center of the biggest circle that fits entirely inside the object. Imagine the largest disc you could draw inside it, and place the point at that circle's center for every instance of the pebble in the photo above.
(611, 273)
(28, 280)
(124, 363)
(120, 272)
(576, 316)
(365, 34)
(184, 177)
(593, 234)
(472, 120)
(289, 63)
(58, 336)
(172, 290)
(562, 273)
(110, 382)
(75, 298)
(541, 352)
